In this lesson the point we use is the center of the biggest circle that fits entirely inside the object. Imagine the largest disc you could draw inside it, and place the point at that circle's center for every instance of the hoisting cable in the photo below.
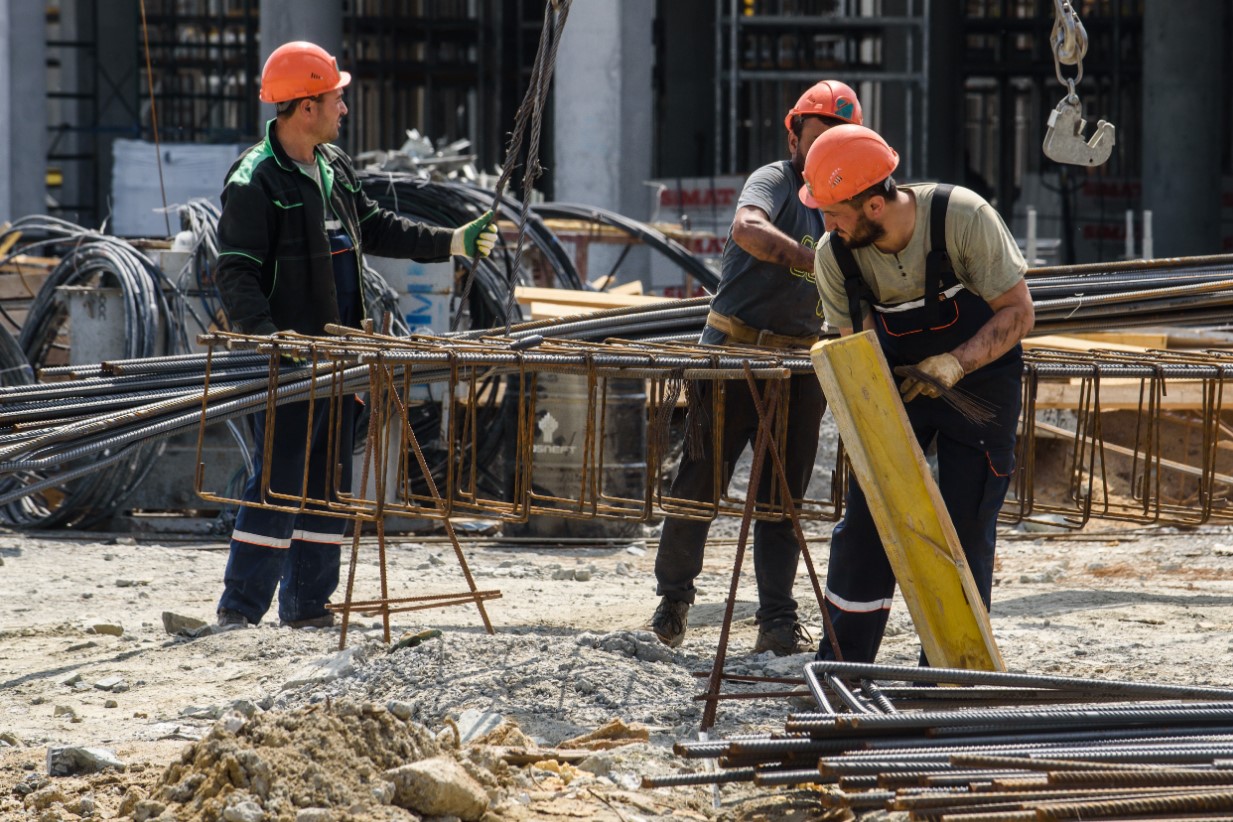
(158, 152)
(530, 112)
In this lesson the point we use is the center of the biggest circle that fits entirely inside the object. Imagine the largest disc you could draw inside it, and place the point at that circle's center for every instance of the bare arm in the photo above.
(1013, 317)
(753, 231)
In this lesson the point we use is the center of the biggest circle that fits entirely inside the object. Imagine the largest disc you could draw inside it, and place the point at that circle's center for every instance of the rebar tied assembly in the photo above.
(398, 375)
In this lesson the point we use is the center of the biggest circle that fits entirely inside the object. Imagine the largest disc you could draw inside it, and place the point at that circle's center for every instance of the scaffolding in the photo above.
(767, 52)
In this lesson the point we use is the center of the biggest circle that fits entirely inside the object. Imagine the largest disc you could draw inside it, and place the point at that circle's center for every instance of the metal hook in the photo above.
(1064, 141)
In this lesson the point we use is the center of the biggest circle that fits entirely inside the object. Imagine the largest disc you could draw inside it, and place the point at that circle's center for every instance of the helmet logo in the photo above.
(844, 108)
(836, 177)
(314, 75)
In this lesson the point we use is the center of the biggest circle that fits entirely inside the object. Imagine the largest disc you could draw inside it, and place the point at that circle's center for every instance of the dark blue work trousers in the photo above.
(296, 552)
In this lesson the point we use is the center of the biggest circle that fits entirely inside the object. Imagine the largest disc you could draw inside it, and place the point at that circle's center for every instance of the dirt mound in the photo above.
(280, 766)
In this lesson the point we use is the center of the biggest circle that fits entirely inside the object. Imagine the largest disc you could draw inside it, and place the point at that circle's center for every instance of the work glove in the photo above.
(286, 358)
(943, 369)
(476, 238)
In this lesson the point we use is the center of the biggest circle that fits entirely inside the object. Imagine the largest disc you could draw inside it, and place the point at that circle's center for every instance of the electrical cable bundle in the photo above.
(454, 204)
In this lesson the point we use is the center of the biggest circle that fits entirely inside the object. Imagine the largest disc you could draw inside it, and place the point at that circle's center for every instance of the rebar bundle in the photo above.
(949, 744)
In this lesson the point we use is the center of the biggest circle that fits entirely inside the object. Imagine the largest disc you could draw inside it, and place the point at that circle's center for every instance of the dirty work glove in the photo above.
(475, 238)
(292, 360)
(943, 368)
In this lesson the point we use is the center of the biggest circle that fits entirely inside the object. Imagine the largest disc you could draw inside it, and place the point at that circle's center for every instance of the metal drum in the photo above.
(569, 476)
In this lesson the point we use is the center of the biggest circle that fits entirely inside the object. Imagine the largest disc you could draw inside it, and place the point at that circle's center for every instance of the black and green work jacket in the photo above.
(274, 269)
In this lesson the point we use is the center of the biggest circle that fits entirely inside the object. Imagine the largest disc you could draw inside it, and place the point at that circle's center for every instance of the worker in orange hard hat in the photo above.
(766, 298)
(294, 228)
(934, 272)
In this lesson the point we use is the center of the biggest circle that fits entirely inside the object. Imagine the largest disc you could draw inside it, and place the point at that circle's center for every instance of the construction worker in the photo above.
(294, 228)
(944, 280)
(767, 298)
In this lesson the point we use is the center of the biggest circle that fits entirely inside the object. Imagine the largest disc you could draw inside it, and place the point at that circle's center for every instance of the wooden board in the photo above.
(22, 286)
(585, 300)
(1123, 394)
(907, 507)
(1097, 342)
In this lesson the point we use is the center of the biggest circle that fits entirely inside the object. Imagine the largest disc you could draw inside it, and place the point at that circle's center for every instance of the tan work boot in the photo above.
(783, 639)
(670, 621)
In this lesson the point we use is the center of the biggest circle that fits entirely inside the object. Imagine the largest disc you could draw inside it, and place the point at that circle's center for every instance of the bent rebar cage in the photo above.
(1135, 437)
(588, 427)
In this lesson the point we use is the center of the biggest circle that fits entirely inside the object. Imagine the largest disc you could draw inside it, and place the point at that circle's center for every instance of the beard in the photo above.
(866, 233)
(798, 160)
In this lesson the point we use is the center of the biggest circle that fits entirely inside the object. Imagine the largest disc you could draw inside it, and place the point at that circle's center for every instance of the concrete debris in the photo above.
(637, 644)
(473, 724)
(245, 810)
(69, 761)
(174, 623)
(103, 627)
(324, 670)
(439, 786)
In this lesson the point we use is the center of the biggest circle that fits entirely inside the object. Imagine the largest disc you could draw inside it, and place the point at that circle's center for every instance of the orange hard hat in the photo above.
(300, 69)
(829, 98)
(844, 161)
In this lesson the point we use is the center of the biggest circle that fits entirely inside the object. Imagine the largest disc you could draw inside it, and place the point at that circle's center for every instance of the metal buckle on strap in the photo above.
(913, 304)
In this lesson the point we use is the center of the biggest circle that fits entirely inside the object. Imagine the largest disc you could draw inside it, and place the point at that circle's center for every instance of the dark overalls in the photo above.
(298, 553)
(975, 461)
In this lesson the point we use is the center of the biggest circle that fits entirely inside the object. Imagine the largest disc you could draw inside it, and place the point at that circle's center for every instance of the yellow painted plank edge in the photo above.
(596, 300)
(907, 507)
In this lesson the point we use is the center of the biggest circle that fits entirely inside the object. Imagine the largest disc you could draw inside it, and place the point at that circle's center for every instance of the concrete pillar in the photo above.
(685, 128)
(1184, 91)
(317, 21)
(23, 101)
(122, 94)
(944, 115)
(602, 106)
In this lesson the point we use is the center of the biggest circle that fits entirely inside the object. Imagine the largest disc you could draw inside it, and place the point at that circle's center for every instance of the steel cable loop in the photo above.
(676, 253)
(15, 370)
(153, 321)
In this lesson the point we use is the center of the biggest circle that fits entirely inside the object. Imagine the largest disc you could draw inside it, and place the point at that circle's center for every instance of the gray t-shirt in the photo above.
(762, 294)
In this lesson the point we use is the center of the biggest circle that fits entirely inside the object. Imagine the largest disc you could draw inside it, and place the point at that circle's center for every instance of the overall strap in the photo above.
(854, 284)
(939, 273)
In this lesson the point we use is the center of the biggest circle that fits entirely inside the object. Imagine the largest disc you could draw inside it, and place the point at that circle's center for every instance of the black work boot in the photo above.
(783, 639)
(229, 619)
(670, 621)
(326, 620)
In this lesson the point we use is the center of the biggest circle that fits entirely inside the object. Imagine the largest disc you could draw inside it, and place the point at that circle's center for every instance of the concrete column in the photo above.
(122, 94)
(602, 106)
(23, 101)
(317, 21)
(685, 129)
(1184, 91)
(944, 115)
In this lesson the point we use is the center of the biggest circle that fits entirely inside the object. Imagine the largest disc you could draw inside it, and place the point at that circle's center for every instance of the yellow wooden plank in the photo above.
(1137, 339)
(1123, 394)
(1074, 342)
(907, 507)
(550, 311)
(595, 300)
(631, 287)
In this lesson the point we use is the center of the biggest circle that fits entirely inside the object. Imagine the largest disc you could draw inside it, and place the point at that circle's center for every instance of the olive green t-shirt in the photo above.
(984, 255)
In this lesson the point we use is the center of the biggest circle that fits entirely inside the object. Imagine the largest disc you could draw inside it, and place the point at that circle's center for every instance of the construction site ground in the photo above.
(570, 654)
